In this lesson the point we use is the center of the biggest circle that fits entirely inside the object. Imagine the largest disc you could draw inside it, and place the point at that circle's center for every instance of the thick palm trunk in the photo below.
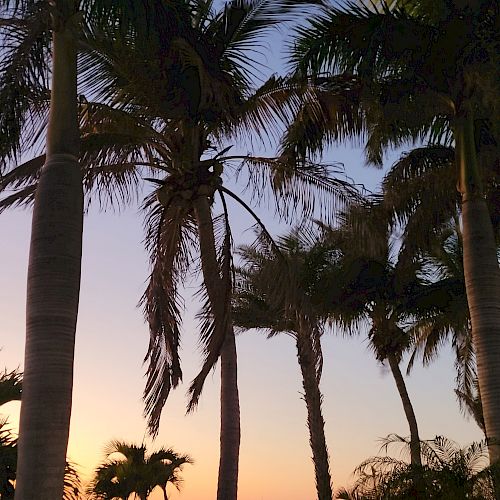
(227, 487)
(415, 451)
(53, 291)
(482, 281)
(315, 421)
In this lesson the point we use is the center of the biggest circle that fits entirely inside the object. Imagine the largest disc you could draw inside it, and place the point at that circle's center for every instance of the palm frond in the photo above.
(72, 482)
(330, 112)
(10, 386)
(215, 315)
(239, 29)
(169, 239)
(24, 73)
(306, 190)
(357, 37)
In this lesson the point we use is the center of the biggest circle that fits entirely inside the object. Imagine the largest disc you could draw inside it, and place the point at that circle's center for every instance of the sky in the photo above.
(361, 404)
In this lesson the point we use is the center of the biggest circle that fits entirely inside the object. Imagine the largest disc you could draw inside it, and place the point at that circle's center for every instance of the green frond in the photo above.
(448, 471)
(422, 211)
(26, 173)
(471, 405)
(266, 110)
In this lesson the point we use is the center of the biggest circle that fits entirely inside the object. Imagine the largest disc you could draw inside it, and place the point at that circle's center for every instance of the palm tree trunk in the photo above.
(415, 451)
(230, 433)
(482, 280)
(53, 289)
(315, 421)
(164, 489)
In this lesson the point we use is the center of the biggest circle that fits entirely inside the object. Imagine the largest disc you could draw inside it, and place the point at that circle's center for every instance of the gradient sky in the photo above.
(361, 403)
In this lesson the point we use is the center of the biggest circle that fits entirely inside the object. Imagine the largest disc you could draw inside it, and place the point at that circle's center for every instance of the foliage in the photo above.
(10, 390)
(128, 469)
(448, 473)
(200, 96)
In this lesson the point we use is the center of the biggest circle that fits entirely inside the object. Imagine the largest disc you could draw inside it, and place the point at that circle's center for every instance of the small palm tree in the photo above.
(281, 289)
(128, 469)
(11, 386)
(448, 473)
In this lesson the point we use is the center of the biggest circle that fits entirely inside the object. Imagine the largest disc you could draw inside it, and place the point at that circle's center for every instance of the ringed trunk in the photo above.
(482, 280)
(53, 289)
(415, 451)
(230, 434)
(315, 421)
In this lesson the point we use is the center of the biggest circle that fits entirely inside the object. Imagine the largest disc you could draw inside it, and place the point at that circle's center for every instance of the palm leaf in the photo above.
(24, 73)
(355, 37)
(169, 238)
(215, 314)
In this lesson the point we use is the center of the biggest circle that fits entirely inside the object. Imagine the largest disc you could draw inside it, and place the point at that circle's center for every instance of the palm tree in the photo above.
(418, 68)
(429, 212)
(35, 35)
(281, 289)
(376, 284)
(53, 272)
(128, 469)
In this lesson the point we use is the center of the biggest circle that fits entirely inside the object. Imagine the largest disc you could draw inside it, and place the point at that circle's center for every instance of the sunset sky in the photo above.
(361, 403)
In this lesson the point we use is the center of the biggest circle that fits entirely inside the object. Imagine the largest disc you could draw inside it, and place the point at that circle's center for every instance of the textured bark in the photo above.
(227, 487)
(482, 282)
(53, 291)
(415, 451)
(230, 434)
(315, 421)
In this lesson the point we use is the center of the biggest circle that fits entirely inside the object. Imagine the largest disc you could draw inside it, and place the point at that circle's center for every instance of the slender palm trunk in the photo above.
(227, 487)
(53, 289)
(315, 421)
(482, 280)
(415, 451)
